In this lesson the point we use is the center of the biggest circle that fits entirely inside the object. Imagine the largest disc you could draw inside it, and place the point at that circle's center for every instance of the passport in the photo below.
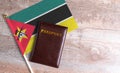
(49, 44)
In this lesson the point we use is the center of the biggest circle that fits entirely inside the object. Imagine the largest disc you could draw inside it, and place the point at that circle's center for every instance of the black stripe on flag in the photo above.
(54, 16)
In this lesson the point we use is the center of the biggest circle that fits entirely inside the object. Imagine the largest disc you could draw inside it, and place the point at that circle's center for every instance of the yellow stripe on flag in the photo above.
(30, 45)
(70, 23)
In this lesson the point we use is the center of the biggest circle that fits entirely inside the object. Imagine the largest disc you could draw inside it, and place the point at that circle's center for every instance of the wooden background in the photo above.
(93, 48)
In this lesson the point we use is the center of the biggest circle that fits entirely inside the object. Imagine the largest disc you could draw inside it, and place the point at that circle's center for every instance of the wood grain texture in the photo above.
(93, 48)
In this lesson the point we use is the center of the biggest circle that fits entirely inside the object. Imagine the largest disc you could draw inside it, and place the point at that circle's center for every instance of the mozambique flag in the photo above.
(21, 32)
(51, 11)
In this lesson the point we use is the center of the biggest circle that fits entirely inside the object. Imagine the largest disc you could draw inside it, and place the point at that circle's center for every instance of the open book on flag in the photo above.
(50, 11)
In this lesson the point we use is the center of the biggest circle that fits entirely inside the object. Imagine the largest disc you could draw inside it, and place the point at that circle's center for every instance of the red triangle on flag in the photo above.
(21, 32)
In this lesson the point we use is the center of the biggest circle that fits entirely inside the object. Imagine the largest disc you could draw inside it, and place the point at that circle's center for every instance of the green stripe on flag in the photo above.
(36, 10)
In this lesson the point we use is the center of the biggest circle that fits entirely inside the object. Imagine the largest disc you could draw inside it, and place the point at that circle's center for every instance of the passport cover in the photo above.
(49, 44)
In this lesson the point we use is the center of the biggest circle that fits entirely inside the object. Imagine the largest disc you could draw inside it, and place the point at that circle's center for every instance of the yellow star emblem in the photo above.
(20, 33)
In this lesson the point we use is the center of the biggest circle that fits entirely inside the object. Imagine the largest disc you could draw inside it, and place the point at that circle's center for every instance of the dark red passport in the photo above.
(49, 44)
